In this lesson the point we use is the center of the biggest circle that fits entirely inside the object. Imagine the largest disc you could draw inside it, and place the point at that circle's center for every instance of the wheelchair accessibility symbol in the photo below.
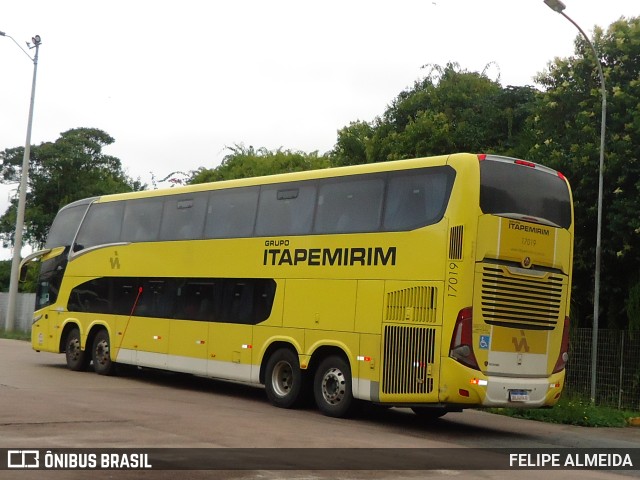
(484, 342)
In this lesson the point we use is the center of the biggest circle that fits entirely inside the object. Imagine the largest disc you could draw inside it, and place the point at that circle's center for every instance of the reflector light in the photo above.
(477, 381)
(525, 163)
(561, 176)
(482, 156)
(463, 393)
(247, 346)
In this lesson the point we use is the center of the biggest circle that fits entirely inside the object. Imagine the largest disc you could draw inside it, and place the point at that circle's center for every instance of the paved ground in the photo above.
(44, 405)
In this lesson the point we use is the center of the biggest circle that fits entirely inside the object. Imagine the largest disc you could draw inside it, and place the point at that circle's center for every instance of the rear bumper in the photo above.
(508, 391)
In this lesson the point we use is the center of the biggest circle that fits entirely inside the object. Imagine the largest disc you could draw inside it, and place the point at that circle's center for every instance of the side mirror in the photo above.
(23, 273)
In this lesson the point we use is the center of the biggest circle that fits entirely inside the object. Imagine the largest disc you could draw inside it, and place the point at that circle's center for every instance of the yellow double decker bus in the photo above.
(436, 283)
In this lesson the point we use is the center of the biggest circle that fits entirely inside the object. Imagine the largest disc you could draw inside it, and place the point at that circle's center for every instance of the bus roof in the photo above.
(290, 177)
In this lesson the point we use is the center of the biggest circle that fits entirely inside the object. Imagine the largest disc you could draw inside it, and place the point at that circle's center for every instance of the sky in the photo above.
(177, 82)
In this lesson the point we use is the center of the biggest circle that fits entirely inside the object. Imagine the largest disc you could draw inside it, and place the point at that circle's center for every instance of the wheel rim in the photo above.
(73, 349)
(282, 379)
(102, 352)
(333, 386)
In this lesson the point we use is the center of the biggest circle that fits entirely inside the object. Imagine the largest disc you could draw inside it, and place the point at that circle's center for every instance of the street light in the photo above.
(22, 193)
(558, 6)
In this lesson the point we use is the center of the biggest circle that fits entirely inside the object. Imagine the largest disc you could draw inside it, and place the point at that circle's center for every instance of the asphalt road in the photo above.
(43, 405)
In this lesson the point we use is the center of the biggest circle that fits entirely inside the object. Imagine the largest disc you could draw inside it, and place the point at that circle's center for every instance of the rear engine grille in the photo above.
(521, 301)
(415, 304)
(408, 357)
(455, 242)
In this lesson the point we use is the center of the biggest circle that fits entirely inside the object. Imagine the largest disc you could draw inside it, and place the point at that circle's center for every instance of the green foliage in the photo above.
(5, 275)
(351, 147)
(15, 335)
(633, 307)
(28, 286)
(565, 131)
(245, 162)
(450, 110)
(71, 168)
(573, 411)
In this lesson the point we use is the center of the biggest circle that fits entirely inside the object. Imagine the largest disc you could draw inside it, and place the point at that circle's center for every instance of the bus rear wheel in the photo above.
(332, 387)
(283, 378)
(101, 354)
(76, 357)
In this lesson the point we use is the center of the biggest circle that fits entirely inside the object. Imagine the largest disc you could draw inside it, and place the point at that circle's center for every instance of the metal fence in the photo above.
(617, 367)
(24, 310)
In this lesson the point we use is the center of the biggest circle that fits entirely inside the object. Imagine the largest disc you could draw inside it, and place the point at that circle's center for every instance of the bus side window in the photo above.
(195, 300)
(157, 299)
(125, 294)
(92, 296)
(247, 301)
(286, 209)
(354, 205)
(231, 213)
(141, 221)
(416, 200)
(183, 217)
(264, 295)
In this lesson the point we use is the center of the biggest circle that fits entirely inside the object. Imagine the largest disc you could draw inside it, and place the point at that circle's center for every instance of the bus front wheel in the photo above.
(101, 354)
(76, 357)
(332, 387)
(283, 379)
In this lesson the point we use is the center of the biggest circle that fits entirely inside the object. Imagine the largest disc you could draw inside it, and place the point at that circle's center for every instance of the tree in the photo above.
(245, 162)
(351, 147)
(566, 132)
(71, 168)
(450, 110)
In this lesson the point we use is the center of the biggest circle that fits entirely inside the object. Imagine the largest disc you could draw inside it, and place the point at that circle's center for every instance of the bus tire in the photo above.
(101, 354)
(77, 359)
(332, 387)
(283, 378)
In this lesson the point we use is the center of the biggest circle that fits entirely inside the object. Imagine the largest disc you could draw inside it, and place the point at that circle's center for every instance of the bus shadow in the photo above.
(452, 427)
(455, 427)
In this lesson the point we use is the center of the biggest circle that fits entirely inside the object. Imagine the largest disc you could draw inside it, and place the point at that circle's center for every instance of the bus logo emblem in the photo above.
(520, 344)
(526, 262)
(115, 262)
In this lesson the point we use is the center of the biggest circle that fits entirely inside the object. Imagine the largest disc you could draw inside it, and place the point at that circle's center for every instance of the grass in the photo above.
(15, 335)
(574, 411)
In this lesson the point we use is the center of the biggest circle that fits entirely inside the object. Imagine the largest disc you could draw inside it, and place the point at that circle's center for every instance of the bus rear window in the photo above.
(510, 189)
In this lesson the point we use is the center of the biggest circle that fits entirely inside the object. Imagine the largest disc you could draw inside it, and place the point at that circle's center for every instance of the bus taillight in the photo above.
(462, 340)
(525, 163)
(563, 356)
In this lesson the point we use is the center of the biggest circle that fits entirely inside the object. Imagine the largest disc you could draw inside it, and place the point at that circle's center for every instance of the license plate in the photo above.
(518, 396)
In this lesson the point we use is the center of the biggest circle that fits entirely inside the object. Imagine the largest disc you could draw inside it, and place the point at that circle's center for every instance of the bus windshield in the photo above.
(507, 188)
(66, 224)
